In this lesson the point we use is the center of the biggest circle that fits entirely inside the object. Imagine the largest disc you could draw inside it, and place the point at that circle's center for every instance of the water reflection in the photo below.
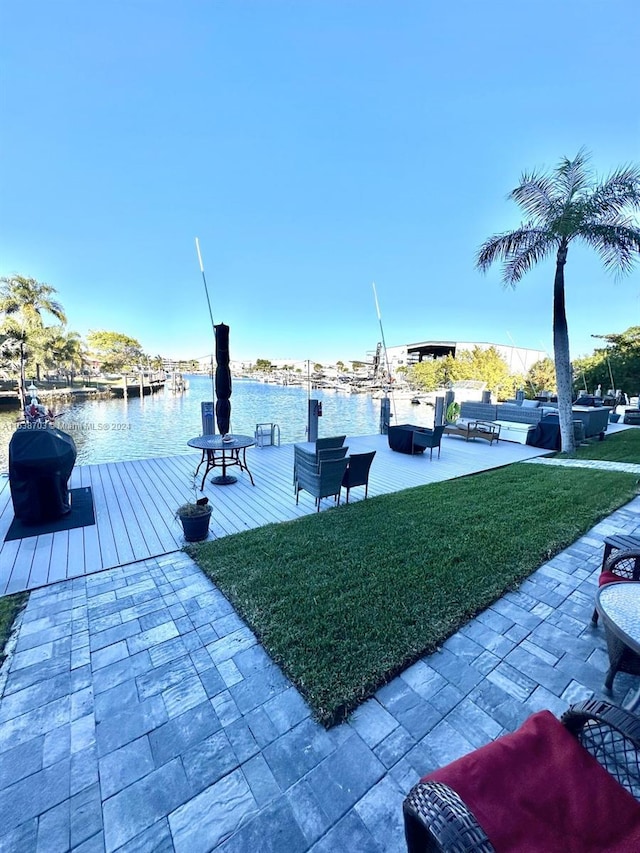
(160, 425)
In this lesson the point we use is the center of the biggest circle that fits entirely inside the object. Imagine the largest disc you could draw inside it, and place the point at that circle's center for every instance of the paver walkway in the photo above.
(140, 714)
(601, 464)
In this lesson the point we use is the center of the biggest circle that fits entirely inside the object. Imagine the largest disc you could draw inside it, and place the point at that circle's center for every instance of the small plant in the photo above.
(192, 509)
(453, 412)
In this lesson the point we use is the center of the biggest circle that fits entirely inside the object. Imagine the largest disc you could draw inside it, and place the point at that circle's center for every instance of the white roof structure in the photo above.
(519, 359)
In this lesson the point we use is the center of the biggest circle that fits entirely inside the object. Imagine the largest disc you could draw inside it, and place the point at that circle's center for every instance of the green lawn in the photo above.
(10, 605)
(618, 447)
(346, 599)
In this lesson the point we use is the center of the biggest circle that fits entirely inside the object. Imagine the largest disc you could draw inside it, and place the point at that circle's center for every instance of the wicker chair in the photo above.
(429, 439)
(622, 565)
(329, 442)
(357, 473)
(324, 448)
(438, 821)
(323, 479)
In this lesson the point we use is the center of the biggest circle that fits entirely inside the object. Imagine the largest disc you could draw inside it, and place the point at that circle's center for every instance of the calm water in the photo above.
(160, 425)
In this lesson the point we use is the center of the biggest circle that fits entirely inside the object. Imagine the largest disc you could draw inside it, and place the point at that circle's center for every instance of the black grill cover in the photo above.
(40, 463)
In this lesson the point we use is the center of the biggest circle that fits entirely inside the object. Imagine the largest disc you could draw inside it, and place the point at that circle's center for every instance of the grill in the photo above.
(40, 463)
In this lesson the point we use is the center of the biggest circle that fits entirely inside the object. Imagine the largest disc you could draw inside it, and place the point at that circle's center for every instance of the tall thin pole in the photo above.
(213, 328)
(384, 344)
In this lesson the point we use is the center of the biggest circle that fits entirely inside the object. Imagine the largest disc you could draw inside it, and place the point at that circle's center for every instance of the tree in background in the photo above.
(64, 353)
(542, 376)
(116, 352)
(264, 365)
(23, 302)
(482, 365)
(616, 365)
(479, 364)
(563, 206)
(427, 375)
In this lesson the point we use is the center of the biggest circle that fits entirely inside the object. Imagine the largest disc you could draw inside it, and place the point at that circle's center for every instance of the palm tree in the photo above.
(63, 351)
(23, 301)
(564, 205)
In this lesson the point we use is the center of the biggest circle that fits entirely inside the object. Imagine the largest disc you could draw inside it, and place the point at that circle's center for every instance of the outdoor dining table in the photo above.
(224, 453)
(619, 607)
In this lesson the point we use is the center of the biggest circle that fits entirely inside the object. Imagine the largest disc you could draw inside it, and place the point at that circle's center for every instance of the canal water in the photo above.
(161, 424)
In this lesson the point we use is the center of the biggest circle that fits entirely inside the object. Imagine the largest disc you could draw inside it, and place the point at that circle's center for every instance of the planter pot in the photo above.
(195, 527)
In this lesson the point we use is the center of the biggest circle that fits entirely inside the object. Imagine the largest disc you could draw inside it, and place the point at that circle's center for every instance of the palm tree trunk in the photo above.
(23, 377)
(561, 354)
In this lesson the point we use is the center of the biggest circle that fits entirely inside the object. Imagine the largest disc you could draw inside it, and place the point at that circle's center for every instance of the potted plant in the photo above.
(195, 517)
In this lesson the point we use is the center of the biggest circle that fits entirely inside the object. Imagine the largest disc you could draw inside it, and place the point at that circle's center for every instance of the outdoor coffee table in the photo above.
(223, 454)
(619, 607)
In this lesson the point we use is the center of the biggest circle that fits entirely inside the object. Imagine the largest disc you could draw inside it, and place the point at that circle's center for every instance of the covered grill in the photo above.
(40, 463)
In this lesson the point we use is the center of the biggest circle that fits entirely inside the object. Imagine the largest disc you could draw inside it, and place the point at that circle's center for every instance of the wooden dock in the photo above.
(134, 503)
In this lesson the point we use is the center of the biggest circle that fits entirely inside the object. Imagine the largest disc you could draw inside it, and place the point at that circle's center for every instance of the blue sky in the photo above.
(313, 146)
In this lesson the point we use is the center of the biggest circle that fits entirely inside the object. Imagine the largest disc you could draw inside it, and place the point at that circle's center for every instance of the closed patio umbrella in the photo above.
(223, 379)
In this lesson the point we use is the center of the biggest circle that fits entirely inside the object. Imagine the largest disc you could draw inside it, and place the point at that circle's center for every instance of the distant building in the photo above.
(518, 359)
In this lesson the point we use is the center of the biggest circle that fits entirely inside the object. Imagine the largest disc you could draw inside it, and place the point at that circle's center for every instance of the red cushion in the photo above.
(611, 577)
(539, 791)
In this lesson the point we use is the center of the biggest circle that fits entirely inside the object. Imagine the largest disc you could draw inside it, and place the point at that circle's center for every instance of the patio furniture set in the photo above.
(517, 420)
(553, 785)
(323, 468)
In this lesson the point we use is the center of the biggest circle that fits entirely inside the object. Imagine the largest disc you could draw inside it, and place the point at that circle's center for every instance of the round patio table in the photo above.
(218, 452)
(619, 607)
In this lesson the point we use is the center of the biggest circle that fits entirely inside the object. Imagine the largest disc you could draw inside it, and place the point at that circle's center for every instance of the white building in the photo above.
(518, 359)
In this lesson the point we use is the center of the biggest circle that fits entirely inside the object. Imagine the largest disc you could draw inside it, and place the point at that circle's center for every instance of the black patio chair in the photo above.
(428, 438)
(357, 473)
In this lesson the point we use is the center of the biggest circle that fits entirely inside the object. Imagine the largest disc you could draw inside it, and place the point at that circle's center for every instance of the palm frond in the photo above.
(535, 195)
(519, 263)
(519, 250)
(571, 177)
(618, 245)
(619, 192)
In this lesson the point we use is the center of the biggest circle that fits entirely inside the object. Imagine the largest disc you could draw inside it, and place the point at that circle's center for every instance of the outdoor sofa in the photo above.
(516, 419)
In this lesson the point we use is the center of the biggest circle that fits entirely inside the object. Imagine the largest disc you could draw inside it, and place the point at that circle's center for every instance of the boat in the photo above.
(176, 383)
(415, 401)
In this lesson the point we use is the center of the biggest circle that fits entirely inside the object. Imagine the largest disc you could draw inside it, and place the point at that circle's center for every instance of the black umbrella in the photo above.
(223, 379)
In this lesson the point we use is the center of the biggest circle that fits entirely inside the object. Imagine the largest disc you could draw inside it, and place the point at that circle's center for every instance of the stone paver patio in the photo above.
(140, 714)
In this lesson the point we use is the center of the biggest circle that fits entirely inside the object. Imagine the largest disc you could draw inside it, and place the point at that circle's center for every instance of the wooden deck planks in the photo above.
(135, 502)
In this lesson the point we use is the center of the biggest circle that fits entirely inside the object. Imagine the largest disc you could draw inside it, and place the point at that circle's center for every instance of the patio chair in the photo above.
(322, 480)
(538, 789)
(622, 565)
(429, 439)
(315, 456)
(357, 473)
(331, 441)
